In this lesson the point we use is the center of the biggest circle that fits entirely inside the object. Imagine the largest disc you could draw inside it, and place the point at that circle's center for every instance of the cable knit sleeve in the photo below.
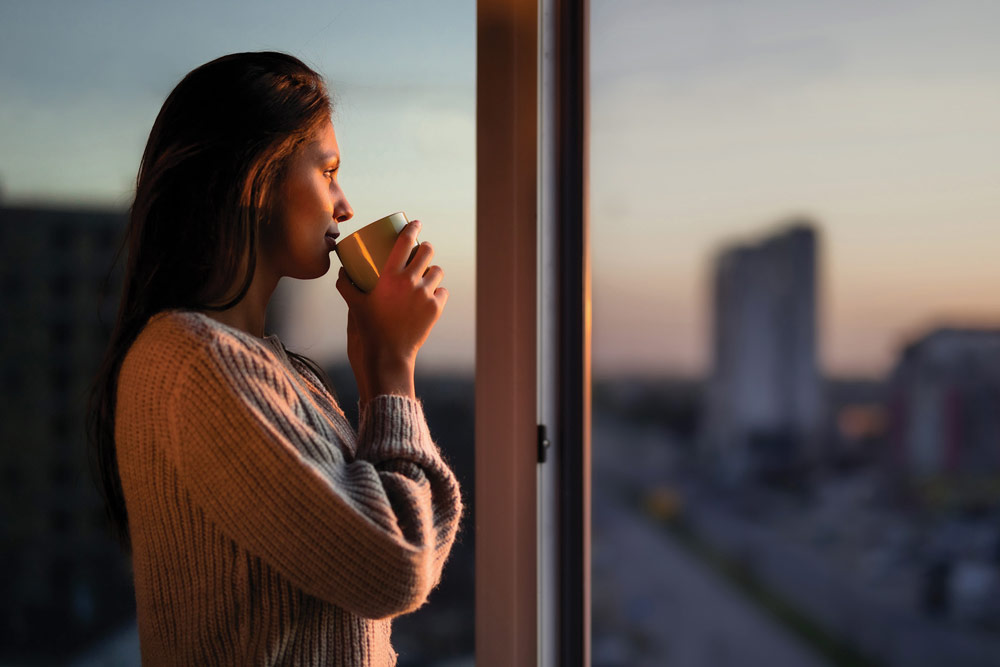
(369, 534)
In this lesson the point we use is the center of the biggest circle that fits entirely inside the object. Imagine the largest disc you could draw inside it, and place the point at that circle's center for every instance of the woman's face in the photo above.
(310, 206)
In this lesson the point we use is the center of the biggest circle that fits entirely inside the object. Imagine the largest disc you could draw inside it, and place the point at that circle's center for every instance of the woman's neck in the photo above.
(250, 313)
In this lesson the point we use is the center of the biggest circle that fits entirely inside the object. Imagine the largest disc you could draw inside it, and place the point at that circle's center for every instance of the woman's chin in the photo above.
(316, 269)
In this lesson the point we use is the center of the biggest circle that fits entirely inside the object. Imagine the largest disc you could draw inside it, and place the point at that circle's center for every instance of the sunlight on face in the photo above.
(311, 204)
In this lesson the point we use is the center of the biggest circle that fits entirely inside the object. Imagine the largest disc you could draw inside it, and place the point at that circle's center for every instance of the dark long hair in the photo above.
(206, 186)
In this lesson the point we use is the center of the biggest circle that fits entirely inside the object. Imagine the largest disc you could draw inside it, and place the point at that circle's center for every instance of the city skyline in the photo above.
(708, 123)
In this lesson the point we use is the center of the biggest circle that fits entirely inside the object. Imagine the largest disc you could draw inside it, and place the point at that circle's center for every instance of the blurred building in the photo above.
(765, 407)
(945, 408)
(64, 582)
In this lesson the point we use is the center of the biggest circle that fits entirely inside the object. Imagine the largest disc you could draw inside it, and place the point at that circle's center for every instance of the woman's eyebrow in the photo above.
(330, 157)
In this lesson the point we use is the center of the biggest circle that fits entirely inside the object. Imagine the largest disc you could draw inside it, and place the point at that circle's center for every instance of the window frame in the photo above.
(532, 334)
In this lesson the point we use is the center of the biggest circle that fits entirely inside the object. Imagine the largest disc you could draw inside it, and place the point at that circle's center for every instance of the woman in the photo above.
(263, 529)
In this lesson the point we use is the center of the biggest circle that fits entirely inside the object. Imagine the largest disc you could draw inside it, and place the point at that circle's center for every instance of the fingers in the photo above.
(401, 248)
(413, 253)
(441, 295)
(421, 259)
(433, 277)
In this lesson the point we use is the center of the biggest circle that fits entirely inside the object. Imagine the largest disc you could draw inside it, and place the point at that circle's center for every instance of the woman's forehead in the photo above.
(324, 142)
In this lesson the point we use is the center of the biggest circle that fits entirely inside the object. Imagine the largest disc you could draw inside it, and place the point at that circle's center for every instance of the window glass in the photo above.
(82, 85)
(794, 211)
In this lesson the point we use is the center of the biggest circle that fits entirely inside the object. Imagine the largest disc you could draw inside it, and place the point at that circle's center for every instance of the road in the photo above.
(653, 603)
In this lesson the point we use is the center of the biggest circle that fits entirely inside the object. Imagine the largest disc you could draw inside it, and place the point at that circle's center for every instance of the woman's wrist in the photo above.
(390, 374)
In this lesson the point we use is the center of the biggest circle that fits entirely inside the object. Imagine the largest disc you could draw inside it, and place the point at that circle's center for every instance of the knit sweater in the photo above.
(264, 530)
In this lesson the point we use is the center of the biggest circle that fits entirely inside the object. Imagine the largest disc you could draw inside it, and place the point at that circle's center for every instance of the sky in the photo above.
(712, 121)
(82, 82)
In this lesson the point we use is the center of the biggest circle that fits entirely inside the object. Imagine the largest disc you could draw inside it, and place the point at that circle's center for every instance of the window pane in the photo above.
(795, 336)
(74, 117)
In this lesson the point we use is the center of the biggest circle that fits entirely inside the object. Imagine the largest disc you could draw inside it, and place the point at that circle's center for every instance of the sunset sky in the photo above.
(711, 121)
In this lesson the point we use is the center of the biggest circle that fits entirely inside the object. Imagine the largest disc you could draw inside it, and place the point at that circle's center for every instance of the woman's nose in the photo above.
(343, 211)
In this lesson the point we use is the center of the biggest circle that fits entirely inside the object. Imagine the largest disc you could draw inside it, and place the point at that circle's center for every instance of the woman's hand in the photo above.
(387, 327)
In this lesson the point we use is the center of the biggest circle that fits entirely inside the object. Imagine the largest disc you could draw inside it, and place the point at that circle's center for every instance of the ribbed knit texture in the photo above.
(264, 531)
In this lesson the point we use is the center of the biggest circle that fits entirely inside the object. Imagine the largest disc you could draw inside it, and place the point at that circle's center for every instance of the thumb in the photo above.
(347, 289)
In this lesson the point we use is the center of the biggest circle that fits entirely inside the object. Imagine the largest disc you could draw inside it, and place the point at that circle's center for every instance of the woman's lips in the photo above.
(331, 241)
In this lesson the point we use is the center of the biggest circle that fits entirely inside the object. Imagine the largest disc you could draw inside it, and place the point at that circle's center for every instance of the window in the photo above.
(793, 346)
(403, 82)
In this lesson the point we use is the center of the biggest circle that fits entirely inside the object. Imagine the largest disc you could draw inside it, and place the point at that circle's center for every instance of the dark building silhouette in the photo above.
(64, 581)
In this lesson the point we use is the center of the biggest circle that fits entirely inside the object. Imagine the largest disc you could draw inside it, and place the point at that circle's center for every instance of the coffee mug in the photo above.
(365, 252)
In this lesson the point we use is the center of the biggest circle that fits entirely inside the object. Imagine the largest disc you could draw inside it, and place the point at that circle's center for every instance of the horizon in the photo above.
(626, 373)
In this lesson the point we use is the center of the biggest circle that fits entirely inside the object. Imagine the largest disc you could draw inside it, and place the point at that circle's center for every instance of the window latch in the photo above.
(543, 443)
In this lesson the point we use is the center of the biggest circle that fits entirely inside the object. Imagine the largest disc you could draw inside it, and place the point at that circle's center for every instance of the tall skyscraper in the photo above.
(765, 404)
(64, 580)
